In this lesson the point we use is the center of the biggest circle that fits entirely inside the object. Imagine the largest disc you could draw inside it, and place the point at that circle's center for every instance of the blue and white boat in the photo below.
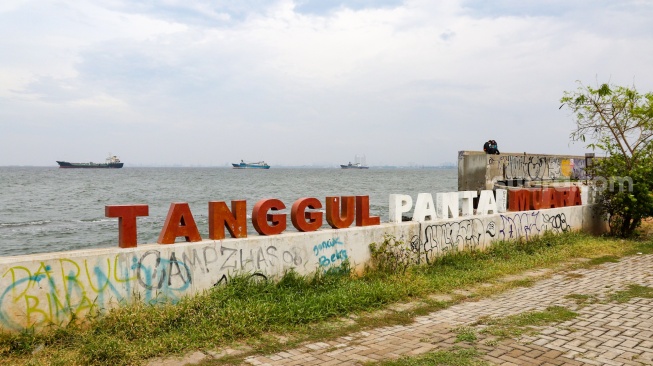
(257, 165)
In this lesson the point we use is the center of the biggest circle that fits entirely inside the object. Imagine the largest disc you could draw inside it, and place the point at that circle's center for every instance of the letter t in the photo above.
(126, 215)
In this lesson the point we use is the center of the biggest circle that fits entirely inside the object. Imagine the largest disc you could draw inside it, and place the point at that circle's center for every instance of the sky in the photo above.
(305, 82)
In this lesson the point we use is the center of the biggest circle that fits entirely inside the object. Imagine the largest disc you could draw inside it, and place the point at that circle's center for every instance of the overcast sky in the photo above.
(198, 82)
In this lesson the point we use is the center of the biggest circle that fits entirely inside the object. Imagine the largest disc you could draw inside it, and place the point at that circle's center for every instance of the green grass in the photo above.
(604, 259)
(516, 325)
(633, 291)
(583, 300)
(299, 307)
(465, 334)
(452, 357)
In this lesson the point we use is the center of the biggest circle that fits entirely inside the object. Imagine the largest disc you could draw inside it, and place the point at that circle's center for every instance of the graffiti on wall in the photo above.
(533, 167)
(449, 237)
(330, 253)
(60, 290)
(578, 170)
(443, 238)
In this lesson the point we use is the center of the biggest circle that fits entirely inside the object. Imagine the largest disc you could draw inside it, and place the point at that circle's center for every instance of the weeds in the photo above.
(602, 260)
(583, 300)
(450, 357)
(516, 325)
(465, 334)
(390, 256)
(632, 292)
(296, 306)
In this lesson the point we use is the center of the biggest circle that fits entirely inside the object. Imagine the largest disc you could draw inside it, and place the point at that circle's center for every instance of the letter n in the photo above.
(235, 220)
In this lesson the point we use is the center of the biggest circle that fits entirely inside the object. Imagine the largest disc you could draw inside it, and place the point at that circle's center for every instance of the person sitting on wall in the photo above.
(491, 147)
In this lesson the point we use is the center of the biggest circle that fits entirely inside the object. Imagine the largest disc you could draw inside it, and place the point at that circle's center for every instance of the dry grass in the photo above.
(302, 307)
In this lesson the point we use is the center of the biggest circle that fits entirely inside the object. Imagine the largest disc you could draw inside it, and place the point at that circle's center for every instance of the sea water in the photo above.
(48, 209)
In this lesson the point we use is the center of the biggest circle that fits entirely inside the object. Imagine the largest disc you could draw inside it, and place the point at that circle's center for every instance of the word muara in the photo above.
(340, 213)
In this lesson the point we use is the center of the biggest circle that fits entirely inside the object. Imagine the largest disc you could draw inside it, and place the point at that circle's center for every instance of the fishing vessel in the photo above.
(359, 163)
(111, 162)
(257, 165)
(354, 166)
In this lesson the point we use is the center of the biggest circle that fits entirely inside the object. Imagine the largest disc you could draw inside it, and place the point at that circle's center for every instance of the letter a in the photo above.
(424, 207)
(179, 222)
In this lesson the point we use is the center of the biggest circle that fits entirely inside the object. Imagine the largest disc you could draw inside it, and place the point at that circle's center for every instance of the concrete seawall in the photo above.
(53, 288)
(478, 170)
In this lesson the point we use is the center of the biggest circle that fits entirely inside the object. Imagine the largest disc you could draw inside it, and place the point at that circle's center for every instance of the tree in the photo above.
(619, 121)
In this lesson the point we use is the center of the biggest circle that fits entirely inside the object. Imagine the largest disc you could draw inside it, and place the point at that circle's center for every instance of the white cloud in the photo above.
(307, 83)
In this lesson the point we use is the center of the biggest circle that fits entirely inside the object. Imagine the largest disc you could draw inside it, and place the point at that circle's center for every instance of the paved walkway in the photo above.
(602, 334)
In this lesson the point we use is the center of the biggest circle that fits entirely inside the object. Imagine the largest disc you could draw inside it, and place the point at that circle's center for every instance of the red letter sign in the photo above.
(518, 200)
(343, 219)
(548, 198)
(235, 220)
(306, 221)
(260, 217)
(179, 222)
(126, 215)
(363, 217)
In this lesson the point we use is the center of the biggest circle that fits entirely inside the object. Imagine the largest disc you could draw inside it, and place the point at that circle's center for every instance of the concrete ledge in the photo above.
(49, 288)
(478, 170)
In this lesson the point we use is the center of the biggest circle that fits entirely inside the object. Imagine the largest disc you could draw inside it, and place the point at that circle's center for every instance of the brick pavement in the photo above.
(602, 334)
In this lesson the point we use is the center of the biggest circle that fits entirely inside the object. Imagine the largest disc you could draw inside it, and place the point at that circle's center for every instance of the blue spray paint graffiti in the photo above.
(325, 259)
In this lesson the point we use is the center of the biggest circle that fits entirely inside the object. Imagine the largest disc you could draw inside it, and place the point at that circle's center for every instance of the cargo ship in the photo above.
(354, 166)
(359, 163)
(257, 165)
(111, 162)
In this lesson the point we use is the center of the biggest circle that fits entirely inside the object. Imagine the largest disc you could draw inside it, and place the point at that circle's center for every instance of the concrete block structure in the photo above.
(53, 288)
(478, 170)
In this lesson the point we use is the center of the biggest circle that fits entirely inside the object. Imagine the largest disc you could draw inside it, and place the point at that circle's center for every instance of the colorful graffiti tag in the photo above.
(438, 239)
(56, 291)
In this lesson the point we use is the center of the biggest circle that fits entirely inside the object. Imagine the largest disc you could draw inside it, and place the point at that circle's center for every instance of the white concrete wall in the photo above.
(478, 170)
(43, 288)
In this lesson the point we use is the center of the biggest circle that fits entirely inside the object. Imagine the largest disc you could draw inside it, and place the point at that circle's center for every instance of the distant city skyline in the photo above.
(305, 82)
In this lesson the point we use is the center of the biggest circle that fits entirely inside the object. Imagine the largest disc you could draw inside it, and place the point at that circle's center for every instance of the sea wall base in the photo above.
(41, 289)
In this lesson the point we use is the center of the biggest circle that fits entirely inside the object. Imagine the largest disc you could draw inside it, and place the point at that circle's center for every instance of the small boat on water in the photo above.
(257, 165)
(359, 163)
(111, 162)
(354, 166)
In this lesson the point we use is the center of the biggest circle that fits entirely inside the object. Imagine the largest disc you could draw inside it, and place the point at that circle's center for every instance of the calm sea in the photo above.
(51, 209)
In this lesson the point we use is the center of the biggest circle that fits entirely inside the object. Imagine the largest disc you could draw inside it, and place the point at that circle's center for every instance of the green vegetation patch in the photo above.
(582, 300)
(602, 260)
(452, 357)
(516, 325)
(465, 334)
(299, 307)
(633, 291)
